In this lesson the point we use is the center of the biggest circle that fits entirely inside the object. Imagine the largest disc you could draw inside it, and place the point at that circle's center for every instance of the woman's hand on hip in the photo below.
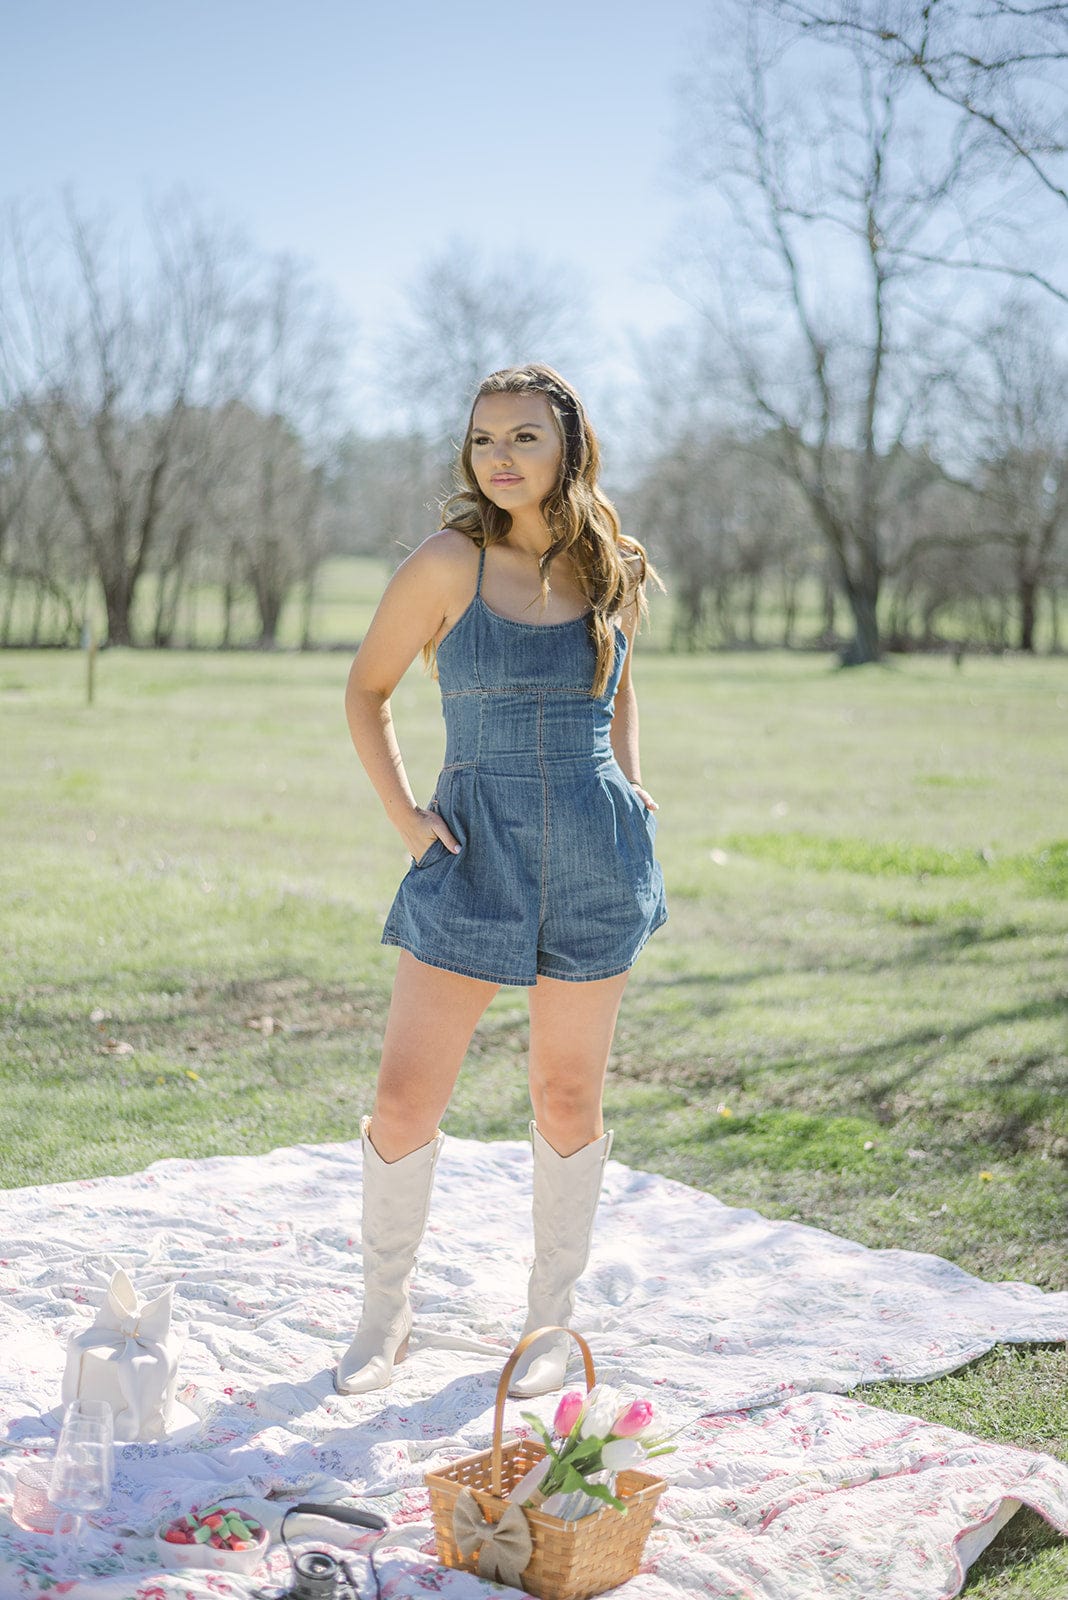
(645, 797)
(420, 830)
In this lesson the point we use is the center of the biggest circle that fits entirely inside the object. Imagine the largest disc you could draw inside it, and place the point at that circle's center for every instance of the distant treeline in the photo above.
(857, 435)
(138, 518)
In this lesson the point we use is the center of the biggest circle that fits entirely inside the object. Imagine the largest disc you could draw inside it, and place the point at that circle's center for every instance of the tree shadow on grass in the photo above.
(868, 1077)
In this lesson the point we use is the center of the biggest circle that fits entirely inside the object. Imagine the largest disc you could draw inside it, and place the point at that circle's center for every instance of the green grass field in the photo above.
(857, 1015)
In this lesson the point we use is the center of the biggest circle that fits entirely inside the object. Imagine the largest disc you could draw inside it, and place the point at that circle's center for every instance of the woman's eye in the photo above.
(479, 438)
(520, 436)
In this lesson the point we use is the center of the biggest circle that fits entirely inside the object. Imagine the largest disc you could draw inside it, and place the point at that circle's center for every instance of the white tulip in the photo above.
(605, 1404)
(620, 1454)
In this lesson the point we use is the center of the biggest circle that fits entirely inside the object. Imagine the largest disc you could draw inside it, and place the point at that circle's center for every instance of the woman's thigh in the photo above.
(571, 1031)
(432, 1016)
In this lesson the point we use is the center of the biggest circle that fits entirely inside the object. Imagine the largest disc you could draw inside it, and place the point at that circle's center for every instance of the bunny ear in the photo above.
(155, 1319)
(121, 1299)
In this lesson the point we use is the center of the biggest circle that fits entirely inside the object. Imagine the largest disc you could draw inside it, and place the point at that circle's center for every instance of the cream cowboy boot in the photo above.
(566, 1191)
(396, 1200)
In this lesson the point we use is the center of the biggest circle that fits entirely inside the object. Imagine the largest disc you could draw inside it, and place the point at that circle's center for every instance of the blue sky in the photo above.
(364, 136)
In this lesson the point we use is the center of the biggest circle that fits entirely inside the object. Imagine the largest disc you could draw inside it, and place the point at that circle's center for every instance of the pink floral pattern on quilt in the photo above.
(744, 1331)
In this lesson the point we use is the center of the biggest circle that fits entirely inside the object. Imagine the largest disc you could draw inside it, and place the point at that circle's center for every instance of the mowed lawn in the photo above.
(857, 1015)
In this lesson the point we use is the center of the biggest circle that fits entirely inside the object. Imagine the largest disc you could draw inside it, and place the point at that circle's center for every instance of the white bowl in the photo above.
(206, 1557)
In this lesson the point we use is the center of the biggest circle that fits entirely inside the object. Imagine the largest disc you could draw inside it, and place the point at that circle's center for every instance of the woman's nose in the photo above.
(502, 451)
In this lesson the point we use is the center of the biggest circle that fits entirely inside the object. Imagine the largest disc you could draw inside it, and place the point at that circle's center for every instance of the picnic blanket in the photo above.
(743, 1331)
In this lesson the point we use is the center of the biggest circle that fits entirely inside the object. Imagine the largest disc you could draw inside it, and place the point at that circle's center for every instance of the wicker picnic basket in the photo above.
(569, 1560)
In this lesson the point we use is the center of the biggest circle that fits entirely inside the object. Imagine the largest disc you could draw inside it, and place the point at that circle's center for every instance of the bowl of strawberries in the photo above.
(216, 1539)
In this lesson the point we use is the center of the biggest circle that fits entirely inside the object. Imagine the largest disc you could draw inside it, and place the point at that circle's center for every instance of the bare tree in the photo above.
(1001, 68)
(120, 371)
(1021, 398)
(279, 451)
(385, 495)
(468, 316)
(38, 559)
(834, 342)
(107, 362)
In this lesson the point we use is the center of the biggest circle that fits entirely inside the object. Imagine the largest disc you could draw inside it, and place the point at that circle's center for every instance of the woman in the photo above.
(533, 863)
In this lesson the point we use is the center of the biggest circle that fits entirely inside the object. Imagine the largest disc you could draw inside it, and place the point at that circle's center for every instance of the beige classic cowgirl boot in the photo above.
(566, 1192)
(396, 1200)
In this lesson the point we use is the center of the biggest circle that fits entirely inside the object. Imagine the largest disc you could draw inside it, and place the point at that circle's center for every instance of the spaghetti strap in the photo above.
(481, 565)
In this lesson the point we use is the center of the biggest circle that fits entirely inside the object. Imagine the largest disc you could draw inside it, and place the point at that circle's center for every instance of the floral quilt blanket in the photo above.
(745, 1334)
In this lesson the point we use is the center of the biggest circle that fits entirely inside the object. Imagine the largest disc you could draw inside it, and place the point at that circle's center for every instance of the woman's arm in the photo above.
(624, 732)
(419, 601)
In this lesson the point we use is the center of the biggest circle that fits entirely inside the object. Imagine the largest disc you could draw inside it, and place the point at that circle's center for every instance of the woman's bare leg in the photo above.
(431, 1019)
(571, 1028)
(432, 1016)
(571, 1031)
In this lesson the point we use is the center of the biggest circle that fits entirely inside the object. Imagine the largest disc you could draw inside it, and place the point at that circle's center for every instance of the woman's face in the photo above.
(515, 449)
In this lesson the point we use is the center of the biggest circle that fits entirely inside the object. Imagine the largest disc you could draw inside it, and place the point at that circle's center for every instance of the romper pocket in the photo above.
(434, 849)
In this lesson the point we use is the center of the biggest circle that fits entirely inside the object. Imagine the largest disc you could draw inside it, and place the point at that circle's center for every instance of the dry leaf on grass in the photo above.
(265, 1025)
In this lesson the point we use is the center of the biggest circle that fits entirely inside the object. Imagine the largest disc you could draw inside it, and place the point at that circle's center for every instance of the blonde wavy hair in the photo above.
(611, 568)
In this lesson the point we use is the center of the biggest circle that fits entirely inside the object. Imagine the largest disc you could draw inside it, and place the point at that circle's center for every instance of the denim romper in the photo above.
(556, 874)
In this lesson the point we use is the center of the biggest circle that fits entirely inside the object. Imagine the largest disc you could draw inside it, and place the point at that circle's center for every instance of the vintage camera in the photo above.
(317, 1575)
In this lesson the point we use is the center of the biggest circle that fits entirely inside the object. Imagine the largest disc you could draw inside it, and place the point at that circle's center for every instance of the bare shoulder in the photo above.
(446, 559)
(448, 548)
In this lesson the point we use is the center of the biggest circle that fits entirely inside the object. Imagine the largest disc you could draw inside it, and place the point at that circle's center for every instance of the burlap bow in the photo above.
(504, 1548)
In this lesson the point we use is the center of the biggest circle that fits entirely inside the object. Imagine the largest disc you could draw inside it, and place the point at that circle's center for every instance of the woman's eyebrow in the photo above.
(517, 429)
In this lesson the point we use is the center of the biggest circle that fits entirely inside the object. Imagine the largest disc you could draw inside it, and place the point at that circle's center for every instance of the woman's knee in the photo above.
(566, 1112)
(402, 1120)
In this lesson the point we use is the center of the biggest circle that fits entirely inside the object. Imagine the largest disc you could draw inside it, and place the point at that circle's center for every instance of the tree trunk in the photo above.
(752, 606)
(9, 608)
(689, 618)
(160, 630)
(789, 612)
(38, 609)
(1054, 621)
(1027, 593)
(308, 610)
(269, 605)
(864, 646)
(118, 593)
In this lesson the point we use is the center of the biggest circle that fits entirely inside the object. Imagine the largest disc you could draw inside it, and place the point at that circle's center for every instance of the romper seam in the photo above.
(545, 817)
(518, 688)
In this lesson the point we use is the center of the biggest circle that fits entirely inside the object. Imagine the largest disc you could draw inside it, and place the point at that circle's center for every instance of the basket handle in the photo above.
(502, 1389)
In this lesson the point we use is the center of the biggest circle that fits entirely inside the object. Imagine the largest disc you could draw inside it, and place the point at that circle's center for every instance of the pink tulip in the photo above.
(634, 1420)
(568, 1411)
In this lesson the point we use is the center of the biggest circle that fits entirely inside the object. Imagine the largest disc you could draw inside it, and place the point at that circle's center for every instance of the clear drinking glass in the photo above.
(81, 1474)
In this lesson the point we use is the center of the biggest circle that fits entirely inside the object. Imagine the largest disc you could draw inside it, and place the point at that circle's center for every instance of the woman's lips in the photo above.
(503, 479)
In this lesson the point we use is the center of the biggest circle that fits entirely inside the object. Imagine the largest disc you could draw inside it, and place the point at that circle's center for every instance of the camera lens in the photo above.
(315, 1576)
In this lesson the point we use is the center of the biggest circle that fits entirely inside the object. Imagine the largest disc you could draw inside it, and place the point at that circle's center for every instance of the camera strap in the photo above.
(317, 1575)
